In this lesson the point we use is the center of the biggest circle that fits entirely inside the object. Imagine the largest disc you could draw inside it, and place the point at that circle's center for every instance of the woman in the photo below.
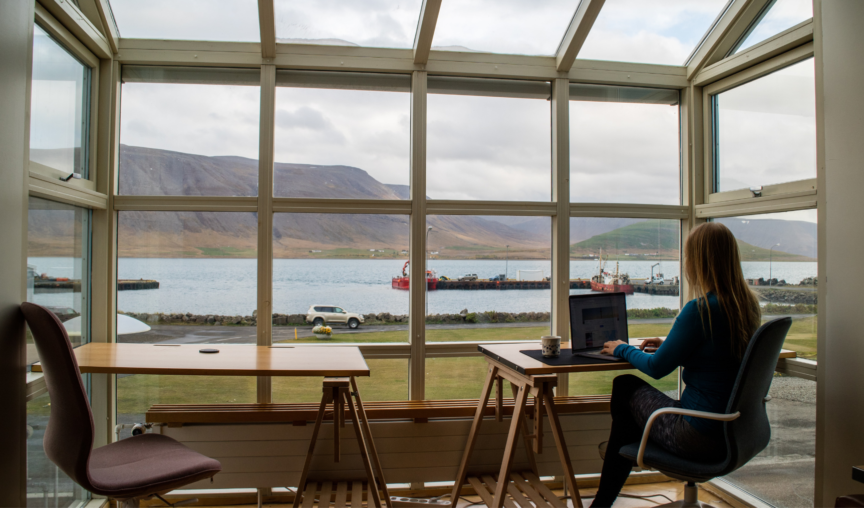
(708, 340)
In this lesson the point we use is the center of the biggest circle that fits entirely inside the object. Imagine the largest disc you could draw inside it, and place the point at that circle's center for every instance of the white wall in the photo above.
(16, 18)
(840, 112)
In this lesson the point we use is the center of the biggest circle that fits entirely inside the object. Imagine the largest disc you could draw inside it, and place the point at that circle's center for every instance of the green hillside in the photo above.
(640, 240)
(753, 253)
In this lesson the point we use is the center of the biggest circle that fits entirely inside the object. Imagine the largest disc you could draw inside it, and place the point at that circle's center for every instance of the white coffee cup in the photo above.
(551, 346)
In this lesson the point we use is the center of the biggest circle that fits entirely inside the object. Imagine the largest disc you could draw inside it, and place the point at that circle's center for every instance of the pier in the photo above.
(74, 285)
(639, 286)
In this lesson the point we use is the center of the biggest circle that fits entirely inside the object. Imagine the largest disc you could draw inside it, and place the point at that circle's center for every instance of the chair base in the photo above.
(691, 499)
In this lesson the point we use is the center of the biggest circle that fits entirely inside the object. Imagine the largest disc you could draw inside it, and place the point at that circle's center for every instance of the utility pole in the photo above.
(770, 261)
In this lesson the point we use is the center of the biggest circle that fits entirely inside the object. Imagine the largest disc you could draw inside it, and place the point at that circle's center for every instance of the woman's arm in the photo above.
(682, 340)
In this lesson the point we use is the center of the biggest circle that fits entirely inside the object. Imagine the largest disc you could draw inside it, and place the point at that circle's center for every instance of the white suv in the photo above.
(327, 314)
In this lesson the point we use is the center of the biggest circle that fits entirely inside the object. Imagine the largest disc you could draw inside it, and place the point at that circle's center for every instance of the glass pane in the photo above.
(782, 15)
(58, 266)
(645, 256)
(487, 278)
(340, 143)
(488, 147)
(137, 392)
(187, 277)
(335, 271)
(503, 27)
(389, 381)
(199, 20)
(381, 23)
(189, 140)
(650, 32)
(624, 145)
(766, 130)
(47, 485)
(782, 474)
(59, 106)
(455, 378)
(778, 257)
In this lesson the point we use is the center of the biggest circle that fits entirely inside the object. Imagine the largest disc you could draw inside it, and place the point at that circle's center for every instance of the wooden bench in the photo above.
(300, 413)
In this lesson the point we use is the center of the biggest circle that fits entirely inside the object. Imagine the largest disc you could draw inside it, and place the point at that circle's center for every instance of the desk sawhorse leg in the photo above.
(526, 487)
(342, 391)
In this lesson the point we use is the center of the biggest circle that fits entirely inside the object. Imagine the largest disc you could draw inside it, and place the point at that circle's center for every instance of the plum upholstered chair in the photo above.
(746, 426)
(128, 470)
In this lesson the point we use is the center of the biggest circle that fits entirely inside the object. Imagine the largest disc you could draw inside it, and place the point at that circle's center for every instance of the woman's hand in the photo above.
(651, 345)
(609, 347)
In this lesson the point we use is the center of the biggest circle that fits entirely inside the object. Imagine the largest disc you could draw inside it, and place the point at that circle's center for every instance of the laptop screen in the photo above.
(597, 318)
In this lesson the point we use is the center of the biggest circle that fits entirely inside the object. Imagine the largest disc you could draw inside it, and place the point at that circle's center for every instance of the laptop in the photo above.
(596, 319)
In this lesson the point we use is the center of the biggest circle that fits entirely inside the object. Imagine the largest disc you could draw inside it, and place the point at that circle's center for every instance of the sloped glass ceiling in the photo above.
(503, 26)
(371, 23)
(656, 32)
(189, 20)
(781, 15)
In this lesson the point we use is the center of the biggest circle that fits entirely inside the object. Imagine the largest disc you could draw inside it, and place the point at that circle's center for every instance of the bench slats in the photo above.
(381, 410)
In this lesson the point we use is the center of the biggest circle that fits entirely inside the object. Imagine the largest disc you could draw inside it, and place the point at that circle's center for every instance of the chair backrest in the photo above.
(68, 438)
(750, 433)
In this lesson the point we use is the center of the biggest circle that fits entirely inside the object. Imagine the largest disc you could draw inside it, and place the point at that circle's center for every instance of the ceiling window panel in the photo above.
(658, 32)
(510, 26)
(195, 20)
(779, 16)
(371, 23)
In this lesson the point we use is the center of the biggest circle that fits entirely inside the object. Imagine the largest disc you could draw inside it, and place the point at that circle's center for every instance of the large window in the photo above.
(642, 258)
(59, 107)
(182, 139)
(342, 136)
(624, 145)
(765, 130)
(58, 266)
(778, 257)
(340, 271)
(488, 140)
(780, 15)
(210, 20)
(58, 278)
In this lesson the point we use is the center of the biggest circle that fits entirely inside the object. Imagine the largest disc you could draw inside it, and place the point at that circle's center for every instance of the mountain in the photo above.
(655, 238)
(795, 237)
(147, 171)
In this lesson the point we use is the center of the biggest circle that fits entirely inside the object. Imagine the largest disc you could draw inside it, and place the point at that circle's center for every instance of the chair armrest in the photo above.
(676, 411)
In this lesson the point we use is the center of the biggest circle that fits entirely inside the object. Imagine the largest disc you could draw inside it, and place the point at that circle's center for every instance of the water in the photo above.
(228, 286)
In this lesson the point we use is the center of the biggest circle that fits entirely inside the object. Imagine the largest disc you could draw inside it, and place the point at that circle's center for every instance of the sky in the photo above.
(478, 147)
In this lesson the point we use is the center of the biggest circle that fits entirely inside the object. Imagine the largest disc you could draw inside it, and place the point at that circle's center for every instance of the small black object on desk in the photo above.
(858, 473)
(208, 351)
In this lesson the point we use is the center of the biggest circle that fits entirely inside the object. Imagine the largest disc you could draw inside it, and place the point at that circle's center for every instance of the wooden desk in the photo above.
(527, 376)
(338, 367)
(232, 360)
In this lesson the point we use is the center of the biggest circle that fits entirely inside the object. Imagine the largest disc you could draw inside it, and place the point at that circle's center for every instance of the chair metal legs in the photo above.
(691, 499)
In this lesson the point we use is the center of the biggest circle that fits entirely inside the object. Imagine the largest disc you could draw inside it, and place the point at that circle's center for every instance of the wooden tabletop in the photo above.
(511, 356)
(231, 360)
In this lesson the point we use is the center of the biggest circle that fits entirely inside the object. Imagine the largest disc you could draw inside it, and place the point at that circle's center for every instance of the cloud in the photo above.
(204, 20)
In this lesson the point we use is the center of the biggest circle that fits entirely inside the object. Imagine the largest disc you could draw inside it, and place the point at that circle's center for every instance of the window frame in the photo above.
(773, 192)
(71, 44)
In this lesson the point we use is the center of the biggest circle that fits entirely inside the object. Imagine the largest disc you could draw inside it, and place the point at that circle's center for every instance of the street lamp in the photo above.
(506, 262)
(770, 260)
(425, 262)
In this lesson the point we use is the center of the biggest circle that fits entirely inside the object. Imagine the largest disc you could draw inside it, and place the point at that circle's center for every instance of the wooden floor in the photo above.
(673, 490)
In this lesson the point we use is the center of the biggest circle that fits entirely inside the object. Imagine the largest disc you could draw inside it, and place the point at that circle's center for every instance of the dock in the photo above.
(638, 286)
(74, 285)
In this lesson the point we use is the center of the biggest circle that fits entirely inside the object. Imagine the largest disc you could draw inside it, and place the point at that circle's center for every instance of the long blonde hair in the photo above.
(712, 263)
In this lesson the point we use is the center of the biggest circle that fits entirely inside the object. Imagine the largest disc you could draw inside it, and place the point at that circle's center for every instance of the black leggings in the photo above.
(633, 401)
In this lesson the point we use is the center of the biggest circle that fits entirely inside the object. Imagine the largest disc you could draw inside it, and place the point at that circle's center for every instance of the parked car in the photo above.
(469, 277)
(330, 314)
(500, 277)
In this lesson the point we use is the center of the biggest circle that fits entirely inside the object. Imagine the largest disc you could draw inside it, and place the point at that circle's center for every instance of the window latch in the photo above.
(757, 191)
(76, 176)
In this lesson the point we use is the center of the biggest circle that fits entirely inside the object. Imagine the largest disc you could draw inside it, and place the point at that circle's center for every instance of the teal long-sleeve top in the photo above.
(710, 366)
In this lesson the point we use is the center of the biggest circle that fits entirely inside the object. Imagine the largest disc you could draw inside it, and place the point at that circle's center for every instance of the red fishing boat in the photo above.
(608, 282)
(403, 281)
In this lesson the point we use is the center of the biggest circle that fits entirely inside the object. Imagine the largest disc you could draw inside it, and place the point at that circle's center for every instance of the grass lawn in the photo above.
(802, 337)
